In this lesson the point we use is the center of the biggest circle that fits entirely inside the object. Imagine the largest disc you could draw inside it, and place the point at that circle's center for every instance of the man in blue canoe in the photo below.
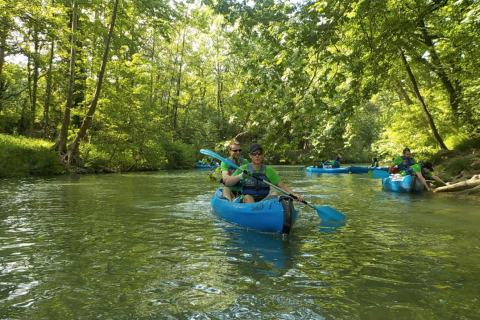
(235, 151)
(253, 189)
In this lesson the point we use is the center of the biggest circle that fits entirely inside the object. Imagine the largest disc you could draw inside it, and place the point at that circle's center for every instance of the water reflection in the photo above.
(147, 246)
(241, 244)
(331, 226)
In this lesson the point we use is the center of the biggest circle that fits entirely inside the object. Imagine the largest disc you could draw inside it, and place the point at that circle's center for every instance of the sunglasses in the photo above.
(256, 153)
(236, 150)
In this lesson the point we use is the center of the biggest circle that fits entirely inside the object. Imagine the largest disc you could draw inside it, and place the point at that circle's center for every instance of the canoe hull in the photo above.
(328, 170)
(272, 215)
(358, 169)
(403, 184)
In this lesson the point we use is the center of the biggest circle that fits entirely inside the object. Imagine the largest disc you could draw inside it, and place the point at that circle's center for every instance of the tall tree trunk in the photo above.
(152, 74)
(36, 62)
(48, 90)
(25, 120)
(453, 94)
(4, 30)
(218, 69)
(402, 94)
(427, 115)
(73, 148)
(178, 86)
(61, 144)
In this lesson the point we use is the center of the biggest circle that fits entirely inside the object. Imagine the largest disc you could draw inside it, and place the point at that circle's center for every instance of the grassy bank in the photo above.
(20, 157)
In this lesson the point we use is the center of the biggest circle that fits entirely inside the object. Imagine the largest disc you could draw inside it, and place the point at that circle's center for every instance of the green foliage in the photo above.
(464, 143)
(20, 156)
(178, 155)
(454, 166)
(312, 79)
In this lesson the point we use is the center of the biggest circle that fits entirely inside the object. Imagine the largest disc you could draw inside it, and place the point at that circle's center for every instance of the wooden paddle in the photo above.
(325, 213)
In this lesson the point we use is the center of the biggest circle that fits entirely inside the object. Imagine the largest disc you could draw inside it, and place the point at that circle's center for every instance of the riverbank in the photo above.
(22, 157)
(461, 169)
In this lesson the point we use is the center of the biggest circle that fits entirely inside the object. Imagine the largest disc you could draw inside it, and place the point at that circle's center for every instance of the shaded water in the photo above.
(146, 246)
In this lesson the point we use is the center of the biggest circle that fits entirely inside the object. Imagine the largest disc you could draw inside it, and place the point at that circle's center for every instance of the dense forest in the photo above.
(144, 84)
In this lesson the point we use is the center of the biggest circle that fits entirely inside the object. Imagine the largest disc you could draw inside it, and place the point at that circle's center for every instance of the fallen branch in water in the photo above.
(472, 183)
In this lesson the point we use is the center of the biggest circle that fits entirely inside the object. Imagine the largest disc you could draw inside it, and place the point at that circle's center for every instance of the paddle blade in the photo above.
(327, 213)
(218, 157)
(380, 174)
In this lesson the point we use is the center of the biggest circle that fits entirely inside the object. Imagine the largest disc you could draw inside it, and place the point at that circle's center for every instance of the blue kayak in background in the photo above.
(273, 214)
(328, 170)
(404, 184)
(359, 169)
(204, 166)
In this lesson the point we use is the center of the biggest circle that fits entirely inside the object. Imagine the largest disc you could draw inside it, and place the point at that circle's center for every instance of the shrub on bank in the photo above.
(20, 157)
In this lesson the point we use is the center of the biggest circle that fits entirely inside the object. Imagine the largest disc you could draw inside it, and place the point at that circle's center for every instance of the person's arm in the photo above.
(230, 180)
(224, 168)
(434, 177)
(422, 179)
(225, 175)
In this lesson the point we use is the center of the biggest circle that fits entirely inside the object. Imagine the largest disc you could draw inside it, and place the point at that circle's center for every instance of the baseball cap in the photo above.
(428, 165)
(255, 146)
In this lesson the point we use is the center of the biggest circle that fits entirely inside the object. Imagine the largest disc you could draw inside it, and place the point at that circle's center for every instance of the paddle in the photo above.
(380, 174)
(325, 213)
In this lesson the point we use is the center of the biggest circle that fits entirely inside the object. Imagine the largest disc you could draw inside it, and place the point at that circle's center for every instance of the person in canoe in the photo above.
(235, 151)
(336, 163)
(403, 162)
(254, 190)
(374, 163)
(424, 172)
(392, 168)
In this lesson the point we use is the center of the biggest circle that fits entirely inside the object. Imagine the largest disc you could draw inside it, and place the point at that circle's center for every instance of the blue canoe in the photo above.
(358, 169)
(404, 184)
(204, 166)
(275, 214)
(328, 170)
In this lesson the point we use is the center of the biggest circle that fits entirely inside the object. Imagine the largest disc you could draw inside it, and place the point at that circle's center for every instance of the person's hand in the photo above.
(246, 174)
(299, 197)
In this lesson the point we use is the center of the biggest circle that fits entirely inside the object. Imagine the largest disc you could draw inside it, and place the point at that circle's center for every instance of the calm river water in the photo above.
(147, 246)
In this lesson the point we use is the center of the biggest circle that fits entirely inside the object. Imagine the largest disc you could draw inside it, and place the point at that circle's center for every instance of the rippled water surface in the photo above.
(147, 246)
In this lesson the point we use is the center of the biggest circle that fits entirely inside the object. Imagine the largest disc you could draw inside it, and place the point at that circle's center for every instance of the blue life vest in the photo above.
(231, 170)
(254, 187)
(410, 162)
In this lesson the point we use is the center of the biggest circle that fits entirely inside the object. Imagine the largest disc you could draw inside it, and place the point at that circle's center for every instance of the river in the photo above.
(147, 246)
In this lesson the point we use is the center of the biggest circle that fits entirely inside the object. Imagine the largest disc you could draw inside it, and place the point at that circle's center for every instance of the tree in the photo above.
(73, 148)
(61, 144)
(427, 114)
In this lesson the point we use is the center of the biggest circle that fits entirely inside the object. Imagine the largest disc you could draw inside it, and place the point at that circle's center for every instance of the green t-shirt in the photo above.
(398, 160)
(272, 176)
(226, 167)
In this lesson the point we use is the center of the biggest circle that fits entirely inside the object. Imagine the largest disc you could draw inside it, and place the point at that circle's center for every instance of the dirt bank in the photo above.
(462, 170)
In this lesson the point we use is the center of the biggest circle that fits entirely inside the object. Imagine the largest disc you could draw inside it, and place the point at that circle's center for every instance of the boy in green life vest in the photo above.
(423, 172)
